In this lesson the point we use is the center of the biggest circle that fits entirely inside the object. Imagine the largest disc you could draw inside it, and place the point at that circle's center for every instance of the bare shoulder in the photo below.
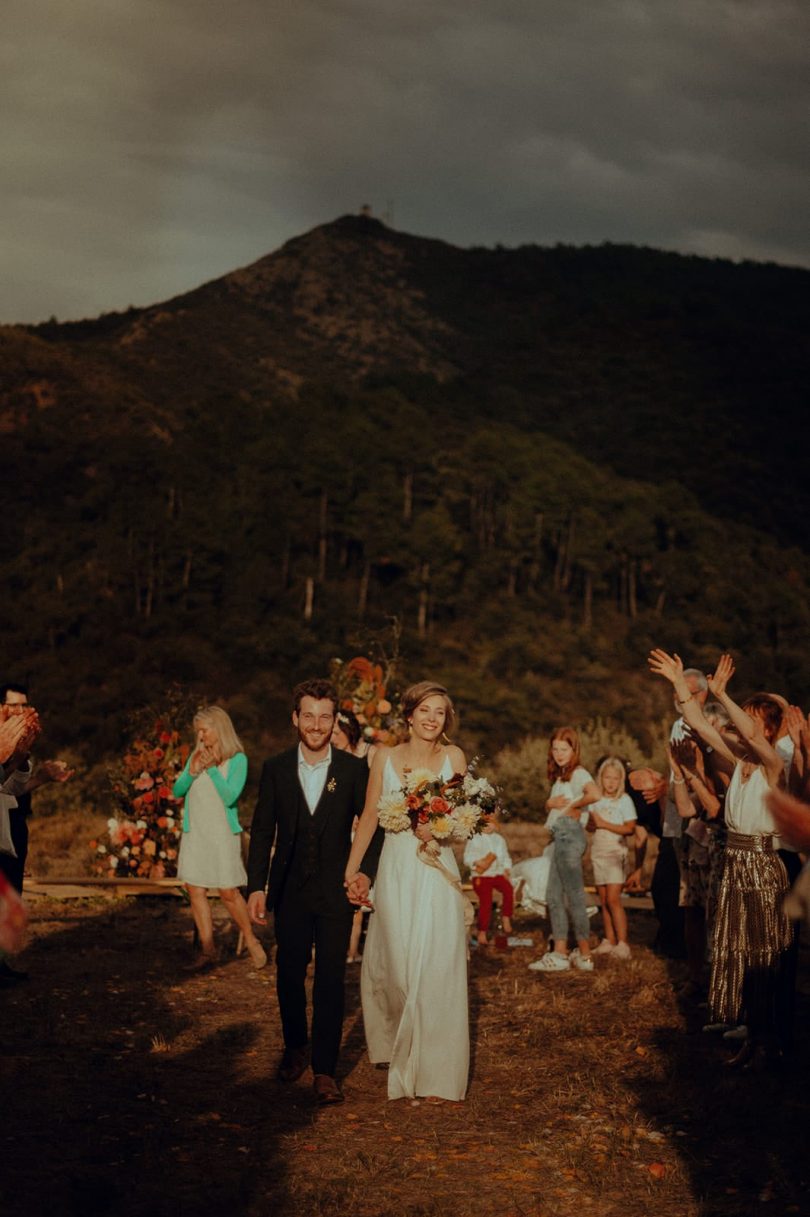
(457, 758)
(378, 760)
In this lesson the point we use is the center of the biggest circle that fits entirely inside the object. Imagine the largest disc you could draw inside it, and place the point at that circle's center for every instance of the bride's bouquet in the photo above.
(454, 810)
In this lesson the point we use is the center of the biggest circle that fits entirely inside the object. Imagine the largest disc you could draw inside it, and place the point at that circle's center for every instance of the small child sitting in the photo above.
(488, 858)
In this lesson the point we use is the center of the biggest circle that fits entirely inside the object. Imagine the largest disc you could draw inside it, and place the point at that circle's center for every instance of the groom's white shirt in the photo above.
(313, 777)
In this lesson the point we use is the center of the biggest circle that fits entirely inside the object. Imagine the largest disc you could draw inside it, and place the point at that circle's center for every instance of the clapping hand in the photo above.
(11, 736)
(56, 771)
(682, 754)
(722, 675)
(649, 783)
(19, 727)
(668, 666)
(797, 726)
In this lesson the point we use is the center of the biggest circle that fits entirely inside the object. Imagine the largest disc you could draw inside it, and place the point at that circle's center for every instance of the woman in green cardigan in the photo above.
(210, 848)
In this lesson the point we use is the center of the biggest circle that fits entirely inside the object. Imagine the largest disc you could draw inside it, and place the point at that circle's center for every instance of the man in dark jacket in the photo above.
(308, 799)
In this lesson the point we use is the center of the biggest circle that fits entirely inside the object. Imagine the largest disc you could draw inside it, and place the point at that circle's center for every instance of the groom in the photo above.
(308, 798)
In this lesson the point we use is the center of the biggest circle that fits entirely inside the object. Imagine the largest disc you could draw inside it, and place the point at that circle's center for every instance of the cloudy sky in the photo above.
(150, 145)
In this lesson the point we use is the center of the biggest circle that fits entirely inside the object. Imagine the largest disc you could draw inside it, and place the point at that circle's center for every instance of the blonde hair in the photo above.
(612, 762)
(419, 692)
(228, 742)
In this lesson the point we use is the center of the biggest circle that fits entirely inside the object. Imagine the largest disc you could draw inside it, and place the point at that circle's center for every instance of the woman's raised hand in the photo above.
(796, 723)
(668, 666)
(722, 675)
(681, 753)
(202, 758)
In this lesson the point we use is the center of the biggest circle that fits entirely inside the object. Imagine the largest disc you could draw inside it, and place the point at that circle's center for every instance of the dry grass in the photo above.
(131, 1088)
(59, 845)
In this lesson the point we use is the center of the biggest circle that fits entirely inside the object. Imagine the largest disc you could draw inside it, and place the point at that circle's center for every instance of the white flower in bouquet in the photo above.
(475, 787)
(416, 777)
(393, 813)
(443, 827)
(467, 817)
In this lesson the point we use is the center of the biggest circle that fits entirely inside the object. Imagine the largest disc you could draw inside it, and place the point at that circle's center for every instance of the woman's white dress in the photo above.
(414, 975)
(210, 853)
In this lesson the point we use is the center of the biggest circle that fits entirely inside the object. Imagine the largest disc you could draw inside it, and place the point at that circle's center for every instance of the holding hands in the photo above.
(357, 889)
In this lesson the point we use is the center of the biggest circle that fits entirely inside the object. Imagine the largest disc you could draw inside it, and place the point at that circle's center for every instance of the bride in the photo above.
(414, 976)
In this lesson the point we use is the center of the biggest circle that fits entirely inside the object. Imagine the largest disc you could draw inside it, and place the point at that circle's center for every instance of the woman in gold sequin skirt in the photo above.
(751, 932)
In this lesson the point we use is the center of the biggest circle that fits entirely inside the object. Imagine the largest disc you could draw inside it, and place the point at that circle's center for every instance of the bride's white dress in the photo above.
(414, 976)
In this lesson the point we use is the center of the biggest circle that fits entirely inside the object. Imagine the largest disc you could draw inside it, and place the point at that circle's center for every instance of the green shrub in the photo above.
(520, 769)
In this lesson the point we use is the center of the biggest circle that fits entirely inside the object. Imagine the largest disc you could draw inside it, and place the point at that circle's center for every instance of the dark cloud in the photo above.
(152, 144)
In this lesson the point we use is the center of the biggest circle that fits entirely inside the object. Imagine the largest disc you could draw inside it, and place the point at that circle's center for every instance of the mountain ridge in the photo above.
(539, 461)
(580, 343)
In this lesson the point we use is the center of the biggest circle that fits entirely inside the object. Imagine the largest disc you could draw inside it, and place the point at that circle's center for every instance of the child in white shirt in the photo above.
(487, 856)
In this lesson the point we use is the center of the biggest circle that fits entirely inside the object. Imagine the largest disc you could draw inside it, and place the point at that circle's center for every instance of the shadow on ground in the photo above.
(129, 1088)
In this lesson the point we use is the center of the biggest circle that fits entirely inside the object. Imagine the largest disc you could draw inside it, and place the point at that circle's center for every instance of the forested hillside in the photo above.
(540, 461)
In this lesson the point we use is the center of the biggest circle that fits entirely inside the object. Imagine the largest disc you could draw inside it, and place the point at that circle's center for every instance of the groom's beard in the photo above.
(314, 739)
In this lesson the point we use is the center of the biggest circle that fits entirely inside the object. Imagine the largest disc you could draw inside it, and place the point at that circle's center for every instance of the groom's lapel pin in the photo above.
(331, 785)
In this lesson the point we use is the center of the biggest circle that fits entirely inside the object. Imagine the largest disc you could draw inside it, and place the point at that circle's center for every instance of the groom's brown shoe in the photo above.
(326, 1090)
(293, 1064)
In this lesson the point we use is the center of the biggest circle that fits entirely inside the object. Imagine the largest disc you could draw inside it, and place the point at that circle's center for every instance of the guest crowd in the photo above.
(730, 815)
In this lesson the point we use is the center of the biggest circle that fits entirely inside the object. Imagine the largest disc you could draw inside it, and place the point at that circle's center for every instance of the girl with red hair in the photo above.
(572, 791)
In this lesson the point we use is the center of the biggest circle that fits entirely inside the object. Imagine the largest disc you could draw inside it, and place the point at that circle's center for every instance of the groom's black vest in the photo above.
(311, 850)
(305, 862)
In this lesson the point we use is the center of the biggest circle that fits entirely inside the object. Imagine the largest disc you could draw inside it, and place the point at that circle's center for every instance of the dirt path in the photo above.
(129, 1088)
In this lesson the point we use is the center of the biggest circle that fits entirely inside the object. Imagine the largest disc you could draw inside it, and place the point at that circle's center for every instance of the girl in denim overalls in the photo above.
(573, 790)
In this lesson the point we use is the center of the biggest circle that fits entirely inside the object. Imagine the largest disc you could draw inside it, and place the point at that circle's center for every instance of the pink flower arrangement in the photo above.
(143, 839)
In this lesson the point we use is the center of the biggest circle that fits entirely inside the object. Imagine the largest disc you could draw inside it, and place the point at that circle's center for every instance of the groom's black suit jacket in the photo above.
(311, 850)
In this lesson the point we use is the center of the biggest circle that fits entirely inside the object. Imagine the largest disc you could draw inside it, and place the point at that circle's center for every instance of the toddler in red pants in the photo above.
(488, 858)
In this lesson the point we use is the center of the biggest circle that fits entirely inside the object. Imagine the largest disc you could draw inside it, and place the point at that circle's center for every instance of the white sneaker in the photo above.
(552, 962)
(583, 962)
(621, 951)
(604, 948)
